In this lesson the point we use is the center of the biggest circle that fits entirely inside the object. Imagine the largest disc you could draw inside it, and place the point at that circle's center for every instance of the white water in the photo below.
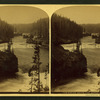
(91, 80)
(87, 42)
(24, 52)
(21, 82)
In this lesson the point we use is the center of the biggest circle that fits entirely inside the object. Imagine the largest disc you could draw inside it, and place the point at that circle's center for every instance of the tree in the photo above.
(34, 72)
(64, 30)
(6, 31)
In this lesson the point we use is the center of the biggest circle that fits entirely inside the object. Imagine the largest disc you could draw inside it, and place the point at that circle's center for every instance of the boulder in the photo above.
(8, 63)
(66, 64)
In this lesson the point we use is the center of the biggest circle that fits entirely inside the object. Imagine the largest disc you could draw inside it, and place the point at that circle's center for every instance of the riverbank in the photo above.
(91, 80)
(24, 52)
(66, 65)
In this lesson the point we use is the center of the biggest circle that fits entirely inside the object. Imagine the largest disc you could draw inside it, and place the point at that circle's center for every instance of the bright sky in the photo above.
(81, 14)
(17, 14)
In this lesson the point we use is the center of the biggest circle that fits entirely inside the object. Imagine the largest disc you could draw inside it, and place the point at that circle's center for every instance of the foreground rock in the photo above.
(66, 64)
(8, 64)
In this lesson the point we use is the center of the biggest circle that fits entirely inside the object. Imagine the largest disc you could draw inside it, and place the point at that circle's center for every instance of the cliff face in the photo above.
(66, 64)
(8, 63)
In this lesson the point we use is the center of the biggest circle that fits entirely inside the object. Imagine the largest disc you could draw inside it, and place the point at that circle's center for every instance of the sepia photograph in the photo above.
(75, 50)
(49, 50)
(24, 50)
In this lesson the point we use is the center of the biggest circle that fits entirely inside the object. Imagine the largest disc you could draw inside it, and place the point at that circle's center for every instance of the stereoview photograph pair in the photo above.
(49, 54)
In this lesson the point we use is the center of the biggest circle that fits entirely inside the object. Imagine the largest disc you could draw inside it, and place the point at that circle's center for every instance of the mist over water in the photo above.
(21, 80)
(90, 81)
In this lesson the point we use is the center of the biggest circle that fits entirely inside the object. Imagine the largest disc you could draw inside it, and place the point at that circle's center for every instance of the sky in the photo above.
(81, 14)
(21, 14)
(29, 14)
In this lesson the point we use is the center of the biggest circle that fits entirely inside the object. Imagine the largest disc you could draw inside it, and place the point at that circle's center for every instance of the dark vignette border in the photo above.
(49, 98)
(49, 1)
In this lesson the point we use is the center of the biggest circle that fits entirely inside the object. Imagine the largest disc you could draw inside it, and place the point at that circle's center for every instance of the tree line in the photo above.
(91, 28)
(39, 28)
(6, 31)
(64, 30)
(42, 27)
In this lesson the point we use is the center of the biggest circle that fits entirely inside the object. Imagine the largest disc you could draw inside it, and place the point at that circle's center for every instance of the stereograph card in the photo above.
(49, 50)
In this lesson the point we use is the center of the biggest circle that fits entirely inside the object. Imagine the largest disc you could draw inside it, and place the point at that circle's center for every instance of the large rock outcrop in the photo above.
(8, 64)
(66, 64)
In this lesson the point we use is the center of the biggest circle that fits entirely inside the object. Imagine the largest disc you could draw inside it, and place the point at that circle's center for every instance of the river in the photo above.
(24, 52)
(91, 81)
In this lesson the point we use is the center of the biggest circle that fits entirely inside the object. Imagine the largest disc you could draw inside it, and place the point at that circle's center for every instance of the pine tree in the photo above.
(63, 30)
(34, 72)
